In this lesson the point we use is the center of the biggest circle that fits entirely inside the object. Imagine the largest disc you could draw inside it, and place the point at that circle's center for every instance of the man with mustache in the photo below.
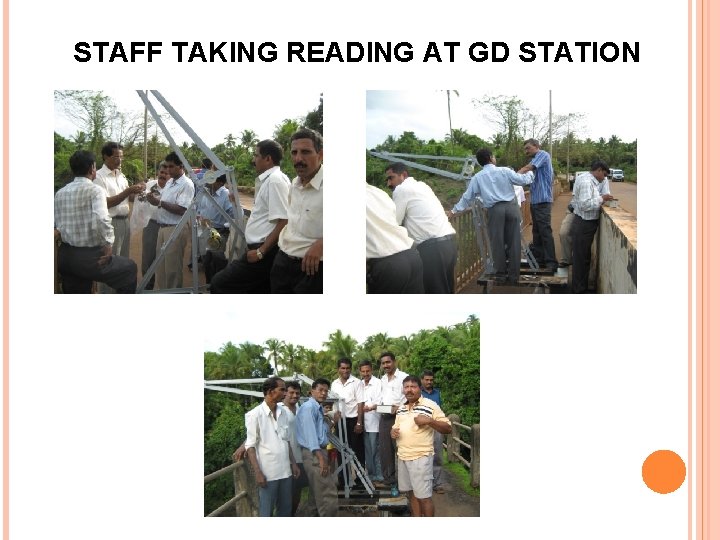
(251, 273)
(298, 265)
(416, 422)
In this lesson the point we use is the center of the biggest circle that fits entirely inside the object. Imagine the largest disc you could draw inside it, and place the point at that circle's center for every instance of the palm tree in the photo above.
(341, 346)
(274, 348)
(450, 115)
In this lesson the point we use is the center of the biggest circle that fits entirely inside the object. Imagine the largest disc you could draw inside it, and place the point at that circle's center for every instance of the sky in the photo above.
(216, 115)
(425, 113)
(359, 326)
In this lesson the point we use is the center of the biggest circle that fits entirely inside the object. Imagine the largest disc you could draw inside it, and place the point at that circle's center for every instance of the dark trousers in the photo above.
(397, 273)
(149, 245)
(287, 277)
(79, 267)
(583, 233)
(388, 449)
(504, 230)
(357, 443)
(438, 258)
(543, 244)
(243, 277)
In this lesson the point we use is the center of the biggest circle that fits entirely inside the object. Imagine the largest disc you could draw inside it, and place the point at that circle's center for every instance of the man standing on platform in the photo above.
(391, 394)
(312, 436)
(350, 409)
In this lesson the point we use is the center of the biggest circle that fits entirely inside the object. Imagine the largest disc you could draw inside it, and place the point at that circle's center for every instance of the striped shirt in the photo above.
(541, 188)
(417, 441)
(587, 196)
(81, 214)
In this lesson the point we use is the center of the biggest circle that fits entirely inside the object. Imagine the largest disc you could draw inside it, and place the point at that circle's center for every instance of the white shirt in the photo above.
(148, 188)
(305, 216)
(291, 430)
(392, 389)
(372, 394)
(383, 236)
(114, 183)
(420, 211)
(272, 190)
(179, 191)
(351, 392)
(269, 437)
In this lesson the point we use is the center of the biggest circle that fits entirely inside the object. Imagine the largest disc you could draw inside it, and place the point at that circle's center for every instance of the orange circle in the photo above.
(663, 471)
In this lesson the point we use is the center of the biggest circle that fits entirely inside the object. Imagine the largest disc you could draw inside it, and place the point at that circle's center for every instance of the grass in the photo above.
(463, 477)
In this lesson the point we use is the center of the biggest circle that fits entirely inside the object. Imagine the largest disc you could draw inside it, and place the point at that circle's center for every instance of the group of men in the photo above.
(401, 448)
(410, 244)
(284, 233)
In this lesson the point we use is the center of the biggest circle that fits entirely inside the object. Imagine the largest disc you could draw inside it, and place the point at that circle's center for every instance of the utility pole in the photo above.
(550, 127)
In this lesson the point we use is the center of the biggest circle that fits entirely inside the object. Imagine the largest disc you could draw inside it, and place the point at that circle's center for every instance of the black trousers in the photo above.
(387, 449)
(543, 244)
(397, 273)
(79, 267)
(439, 256)
(287, 277)
(583, 233)
(243, 277)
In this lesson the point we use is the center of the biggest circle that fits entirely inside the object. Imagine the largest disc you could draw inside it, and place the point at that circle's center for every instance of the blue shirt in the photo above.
(209, 211)
(310, 427)
(541, 189)
(493, 185)
(434, 395)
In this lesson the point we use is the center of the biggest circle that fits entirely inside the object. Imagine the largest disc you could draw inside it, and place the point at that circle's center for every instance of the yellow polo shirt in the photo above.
(416, 441)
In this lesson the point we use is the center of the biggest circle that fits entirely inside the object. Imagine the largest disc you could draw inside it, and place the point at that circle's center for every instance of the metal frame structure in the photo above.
(190, 215)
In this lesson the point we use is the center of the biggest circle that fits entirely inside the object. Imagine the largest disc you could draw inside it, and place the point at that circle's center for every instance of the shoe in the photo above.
(563, 265)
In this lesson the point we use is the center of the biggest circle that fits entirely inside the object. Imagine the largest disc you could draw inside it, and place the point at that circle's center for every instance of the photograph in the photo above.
(225, 199)
(488, 193)
(350, 422)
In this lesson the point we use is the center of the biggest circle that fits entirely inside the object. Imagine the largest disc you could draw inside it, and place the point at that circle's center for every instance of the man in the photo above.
(413, 430)
(251, 273)
(173, 202)
(312, 436)
(372, 394)
(391, 389)
(566, 226)
(214, 257)
(495, 186)
(350, 409)
(429, 391)
(393, 264)
(150, 232)
(298, 265)
(292, 395)
(269, 451)
(81, 216)
(541, 199)
(111, 179)
(421, 213)
(587, 202)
